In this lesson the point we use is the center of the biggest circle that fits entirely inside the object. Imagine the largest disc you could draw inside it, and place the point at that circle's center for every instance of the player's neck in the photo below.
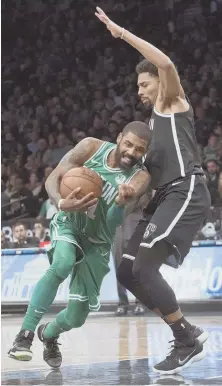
(111, 160)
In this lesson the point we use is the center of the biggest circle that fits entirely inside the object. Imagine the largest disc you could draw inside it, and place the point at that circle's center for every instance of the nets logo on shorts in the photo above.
(149, 230)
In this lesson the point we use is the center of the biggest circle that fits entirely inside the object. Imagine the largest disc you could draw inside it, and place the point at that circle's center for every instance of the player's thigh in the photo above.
(178, 218)
(63, 258)
(132, 247)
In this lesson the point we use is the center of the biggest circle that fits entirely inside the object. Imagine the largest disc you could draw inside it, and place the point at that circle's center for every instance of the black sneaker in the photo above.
(21, 346)
(199, 334)
(51, 354)
(121, 311)
(139, 310)
(180, 357)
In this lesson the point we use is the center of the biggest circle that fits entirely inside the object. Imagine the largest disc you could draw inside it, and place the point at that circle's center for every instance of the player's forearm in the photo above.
(52, 185)
(150, 52)
(115, 216)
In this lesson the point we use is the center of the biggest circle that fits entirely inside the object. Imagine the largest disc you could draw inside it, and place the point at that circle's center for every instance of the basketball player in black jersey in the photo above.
(179, 205)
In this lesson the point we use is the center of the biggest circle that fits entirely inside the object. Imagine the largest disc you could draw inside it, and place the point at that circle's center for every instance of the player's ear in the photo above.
(119, 138)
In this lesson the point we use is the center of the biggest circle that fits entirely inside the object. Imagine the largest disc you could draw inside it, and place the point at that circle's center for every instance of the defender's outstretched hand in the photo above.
(115, 29)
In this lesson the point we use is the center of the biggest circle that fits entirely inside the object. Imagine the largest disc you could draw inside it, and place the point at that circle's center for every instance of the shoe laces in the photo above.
(175, 345)
(53, 347)
(23, 340)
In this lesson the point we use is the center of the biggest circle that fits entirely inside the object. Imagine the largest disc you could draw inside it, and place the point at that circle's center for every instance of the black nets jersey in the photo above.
(173, 152)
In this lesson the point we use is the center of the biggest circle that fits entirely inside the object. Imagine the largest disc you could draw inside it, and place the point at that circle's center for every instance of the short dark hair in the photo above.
(146, 66)
(39, 221)
(138, 128)
(18, 223)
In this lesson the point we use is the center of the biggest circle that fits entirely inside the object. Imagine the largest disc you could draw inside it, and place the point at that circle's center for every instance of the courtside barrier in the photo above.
(198, 279)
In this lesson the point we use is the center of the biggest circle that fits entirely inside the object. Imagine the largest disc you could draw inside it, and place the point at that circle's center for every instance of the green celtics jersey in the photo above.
(93, 223)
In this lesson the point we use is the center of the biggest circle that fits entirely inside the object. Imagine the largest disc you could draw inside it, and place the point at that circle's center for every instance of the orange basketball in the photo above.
(88, 180)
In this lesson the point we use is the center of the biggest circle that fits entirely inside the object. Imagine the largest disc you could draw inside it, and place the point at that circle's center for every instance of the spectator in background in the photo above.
(33, 146)
(21, 240)
(22, 202)
(48, 209)
(11, 185)
(56, 154)
(214, 181)
(5, 244)
(34, 185)
(40, 231)
(210, 151)
(42, 147)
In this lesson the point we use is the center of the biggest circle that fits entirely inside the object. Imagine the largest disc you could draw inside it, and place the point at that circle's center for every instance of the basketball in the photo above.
(88, 180)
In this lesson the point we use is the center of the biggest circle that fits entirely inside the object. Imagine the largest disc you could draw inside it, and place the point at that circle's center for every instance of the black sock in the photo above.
(185, 322)
(181, 331)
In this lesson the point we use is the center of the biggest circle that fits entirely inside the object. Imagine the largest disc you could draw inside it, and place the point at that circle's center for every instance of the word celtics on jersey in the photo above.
(93, 223)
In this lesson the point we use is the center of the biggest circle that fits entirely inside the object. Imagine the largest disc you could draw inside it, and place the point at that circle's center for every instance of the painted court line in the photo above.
(73, 364)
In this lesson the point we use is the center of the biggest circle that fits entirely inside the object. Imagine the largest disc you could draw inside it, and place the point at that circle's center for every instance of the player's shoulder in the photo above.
(91, 143)
(141, 172)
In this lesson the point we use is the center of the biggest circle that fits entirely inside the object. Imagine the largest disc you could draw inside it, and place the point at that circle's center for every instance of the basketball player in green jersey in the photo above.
(82, 233)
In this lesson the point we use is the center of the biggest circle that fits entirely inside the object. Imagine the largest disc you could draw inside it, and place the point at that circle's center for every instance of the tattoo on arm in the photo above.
(74, 158)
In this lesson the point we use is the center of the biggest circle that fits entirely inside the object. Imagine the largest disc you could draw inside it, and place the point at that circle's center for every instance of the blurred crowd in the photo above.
(64, 78)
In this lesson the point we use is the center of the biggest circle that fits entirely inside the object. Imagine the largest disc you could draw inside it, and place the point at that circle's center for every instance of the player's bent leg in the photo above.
(43, 295)
(73, 316)
(186, 349)
(125, 277)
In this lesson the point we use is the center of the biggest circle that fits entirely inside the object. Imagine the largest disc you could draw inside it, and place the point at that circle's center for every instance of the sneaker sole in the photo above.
(196, 358)
(21, 356)
(203, 337)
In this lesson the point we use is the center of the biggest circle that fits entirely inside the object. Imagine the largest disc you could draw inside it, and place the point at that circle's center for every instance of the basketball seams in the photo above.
(84, 178)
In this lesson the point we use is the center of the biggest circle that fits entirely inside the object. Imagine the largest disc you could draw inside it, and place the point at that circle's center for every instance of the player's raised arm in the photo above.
(74, 158)
(169, 78)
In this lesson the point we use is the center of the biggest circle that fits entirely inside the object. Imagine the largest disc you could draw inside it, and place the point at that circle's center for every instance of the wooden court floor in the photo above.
(113, 351)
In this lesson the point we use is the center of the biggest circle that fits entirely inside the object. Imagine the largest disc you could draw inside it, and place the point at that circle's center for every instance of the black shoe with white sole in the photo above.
(51, 354)
(21, 346)
(180, 357)
(199, 334)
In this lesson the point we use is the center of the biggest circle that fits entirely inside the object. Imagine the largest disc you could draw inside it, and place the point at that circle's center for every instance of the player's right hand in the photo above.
(114, 28)
(73, 204)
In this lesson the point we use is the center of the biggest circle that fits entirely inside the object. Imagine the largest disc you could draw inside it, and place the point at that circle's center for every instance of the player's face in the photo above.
(130, 149)
(148, 86)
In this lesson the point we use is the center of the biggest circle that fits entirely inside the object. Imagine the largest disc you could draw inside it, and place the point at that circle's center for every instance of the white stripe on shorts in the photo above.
(130, 257)
(176, 219)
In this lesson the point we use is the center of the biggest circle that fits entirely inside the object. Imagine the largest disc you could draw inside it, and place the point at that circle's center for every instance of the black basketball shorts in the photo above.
(174, 214)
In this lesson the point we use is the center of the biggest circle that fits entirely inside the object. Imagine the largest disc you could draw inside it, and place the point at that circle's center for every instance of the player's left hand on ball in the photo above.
(125, 194)
(115, 29)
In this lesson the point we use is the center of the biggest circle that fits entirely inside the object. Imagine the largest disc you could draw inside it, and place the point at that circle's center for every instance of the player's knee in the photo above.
(64, 262)
(76, 319)
(124, 272)
(149, 260)
(64, 269)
